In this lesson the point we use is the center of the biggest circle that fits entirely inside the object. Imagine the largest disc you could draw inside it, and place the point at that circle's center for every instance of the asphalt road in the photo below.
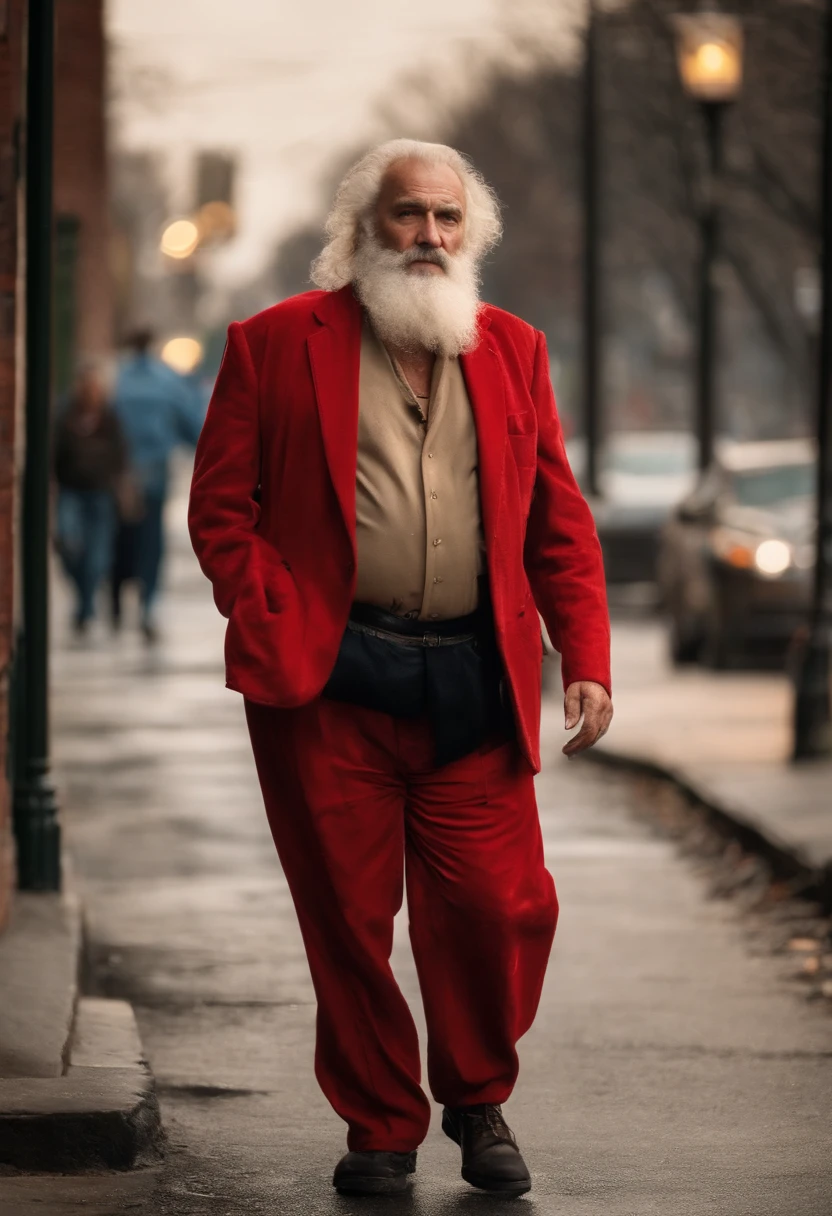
(669, 1071)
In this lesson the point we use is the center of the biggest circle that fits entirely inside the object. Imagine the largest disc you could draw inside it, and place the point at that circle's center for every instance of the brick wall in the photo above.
(80, 191)
(10, 113)
(80, 163)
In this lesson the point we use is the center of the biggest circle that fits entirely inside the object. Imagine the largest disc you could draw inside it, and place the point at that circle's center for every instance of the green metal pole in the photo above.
(65, 274)
(813, 667)
(37, 830)
(708, 295)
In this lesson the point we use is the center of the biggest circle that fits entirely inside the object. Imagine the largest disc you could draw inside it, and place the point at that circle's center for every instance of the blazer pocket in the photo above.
(275, 599)
(521, 424)
(524, 449)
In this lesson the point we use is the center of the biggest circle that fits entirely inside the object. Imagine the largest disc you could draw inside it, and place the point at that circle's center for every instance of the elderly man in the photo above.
(382, 502)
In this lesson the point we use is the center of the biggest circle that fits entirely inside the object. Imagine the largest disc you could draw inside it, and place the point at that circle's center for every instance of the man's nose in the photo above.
(428, 232)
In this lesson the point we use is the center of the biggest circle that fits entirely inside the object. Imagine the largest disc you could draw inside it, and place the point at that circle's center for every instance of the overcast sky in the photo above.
(289, 84)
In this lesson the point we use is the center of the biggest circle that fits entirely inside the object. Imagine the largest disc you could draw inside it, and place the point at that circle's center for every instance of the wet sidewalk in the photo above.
(670, 1070)
(726, 735)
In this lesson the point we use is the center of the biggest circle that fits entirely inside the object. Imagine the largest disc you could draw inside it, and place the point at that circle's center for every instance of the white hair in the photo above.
(358, 193)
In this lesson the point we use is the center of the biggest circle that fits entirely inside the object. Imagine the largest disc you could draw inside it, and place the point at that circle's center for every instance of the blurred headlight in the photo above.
(772, 557)
(734, 548)
(769, 557)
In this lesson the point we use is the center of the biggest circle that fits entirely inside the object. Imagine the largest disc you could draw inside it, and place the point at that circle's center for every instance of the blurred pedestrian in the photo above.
(382, 501)
(157, 410)
(90, 459)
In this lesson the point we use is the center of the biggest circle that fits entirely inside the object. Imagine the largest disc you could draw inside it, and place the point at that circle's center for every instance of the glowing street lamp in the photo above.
(180, 239)
(709, 50)
(182, 353)
(216, 222)
(709, 53)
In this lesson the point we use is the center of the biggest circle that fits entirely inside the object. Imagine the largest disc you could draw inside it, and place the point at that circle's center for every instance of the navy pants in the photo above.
(85, 527)
(139, 550)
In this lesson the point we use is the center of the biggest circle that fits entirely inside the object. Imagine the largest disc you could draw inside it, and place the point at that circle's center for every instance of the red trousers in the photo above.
(355, 806)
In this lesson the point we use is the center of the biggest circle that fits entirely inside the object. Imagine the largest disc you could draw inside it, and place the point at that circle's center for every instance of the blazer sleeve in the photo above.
(224, 512)
(562, 555)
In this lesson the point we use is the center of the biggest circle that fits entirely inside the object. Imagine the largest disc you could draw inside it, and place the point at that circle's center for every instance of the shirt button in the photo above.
(438, 541)
(433, 493)
(430, 455)
(437, 580)
(434, 616)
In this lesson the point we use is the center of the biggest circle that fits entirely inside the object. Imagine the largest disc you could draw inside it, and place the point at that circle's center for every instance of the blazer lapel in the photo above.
(335, 355)
(485, 379)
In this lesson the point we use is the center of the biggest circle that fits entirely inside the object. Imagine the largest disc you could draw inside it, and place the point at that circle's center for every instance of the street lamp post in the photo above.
(709, 52)
(591, 251)
(813, 669)
(37, 832)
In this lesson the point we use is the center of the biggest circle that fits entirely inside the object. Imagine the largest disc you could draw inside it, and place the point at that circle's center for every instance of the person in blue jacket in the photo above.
(157, 410)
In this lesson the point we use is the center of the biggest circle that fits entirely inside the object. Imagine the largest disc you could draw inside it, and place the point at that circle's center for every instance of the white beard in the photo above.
(416, 310)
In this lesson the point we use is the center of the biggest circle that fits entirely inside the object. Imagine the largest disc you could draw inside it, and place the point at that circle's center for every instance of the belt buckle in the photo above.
(431, 639)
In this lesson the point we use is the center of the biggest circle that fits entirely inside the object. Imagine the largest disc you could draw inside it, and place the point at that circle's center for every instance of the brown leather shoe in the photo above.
(374, 1173)
(491, 1159)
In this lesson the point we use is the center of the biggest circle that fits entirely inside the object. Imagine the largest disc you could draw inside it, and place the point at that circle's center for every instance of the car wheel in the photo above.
(684, 644)
(720, 646)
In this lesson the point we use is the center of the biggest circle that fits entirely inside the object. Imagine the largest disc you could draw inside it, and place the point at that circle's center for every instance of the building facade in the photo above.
(82, 305)
(83, 289)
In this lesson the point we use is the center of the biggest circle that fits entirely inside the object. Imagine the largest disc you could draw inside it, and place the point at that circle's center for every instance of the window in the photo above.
(765, 487)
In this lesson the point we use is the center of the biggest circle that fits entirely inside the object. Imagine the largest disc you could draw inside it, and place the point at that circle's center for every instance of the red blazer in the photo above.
(272, 510)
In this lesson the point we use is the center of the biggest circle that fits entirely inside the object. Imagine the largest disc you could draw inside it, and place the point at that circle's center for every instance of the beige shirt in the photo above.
(418, 525)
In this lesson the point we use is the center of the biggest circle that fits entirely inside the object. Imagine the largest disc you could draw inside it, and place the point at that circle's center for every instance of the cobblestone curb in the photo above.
(786, 862)
(102, 1113)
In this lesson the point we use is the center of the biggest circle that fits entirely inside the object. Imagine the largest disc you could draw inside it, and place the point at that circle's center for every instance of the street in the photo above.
(669, 1070)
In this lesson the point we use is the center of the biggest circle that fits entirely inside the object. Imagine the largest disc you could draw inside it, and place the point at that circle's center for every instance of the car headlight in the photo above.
(772, 557)
(768, 557)
(735, 548)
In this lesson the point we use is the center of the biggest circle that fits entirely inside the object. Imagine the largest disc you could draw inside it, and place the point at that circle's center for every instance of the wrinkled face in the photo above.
(421, 210)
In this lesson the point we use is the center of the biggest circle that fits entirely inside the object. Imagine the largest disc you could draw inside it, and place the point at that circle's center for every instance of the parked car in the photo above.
(736, 558)
(642, 475)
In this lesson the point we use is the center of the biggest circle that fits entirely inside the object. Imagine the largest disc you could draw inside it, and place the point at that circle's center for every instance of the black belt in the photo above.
(405, 667)
(366, 617)
(407, 631)
(425, 640)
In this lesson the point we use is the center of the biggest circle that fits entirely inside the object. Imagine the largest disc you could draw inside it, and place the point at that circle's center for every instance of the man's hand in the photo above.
(594, 703)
